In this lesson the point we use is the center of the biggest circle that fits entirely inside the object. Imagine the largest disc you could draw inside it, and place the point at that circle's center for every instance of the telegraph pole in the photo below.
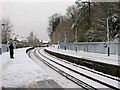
(58, 41)
(65, 40)
(108, 37)
(76, 39)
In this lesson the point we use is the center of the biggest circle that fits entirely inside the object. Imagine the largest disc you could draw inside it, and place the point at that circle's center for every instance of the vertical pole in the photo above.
(65, 40)
(7, 41)
(108, 37)
(76, 39)
(1, 40)
(58, 41)
(119, 57)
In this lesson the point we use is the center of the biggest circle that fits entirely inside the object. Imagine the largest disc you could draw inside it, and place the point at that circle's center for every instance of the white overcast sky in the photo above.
(32, 15)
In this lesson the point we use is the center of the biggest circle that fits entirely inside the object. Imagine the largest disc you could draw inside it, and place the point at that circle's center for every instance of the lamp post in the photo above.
(58, 40)
(76, 39)
(108, 38)
(0, 43)
(65, 40)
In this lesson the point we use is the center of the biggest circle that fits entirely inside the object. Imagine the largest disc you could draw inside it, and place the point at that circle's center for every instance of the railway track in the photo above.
(82, 67)
(66, 72)
(85, 68)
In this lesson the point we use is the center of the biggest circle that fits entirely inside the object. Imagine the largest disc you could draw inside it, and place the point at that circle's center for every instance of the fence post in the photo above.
(0, 50)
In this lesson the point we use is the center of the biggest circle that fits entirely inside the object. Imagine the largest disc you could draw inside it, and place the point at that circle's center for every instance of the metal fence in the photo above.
(4, 48)
(95, 47)
(0, 49)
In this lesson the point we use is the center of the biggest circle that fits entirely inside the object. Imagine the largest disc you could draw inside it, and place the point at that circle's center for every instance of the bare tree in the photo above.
(72, 11)
(54, 21)
(7, 28)
(32, 39)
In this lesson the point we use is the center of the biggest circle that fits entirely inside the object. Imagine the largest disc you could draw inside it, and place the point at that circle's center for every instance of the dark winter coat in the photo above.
(11, 47)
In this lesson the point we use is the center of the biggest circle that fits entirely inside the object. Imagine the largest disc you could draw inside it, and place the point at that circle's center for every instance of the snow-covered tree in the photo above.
(6, 27)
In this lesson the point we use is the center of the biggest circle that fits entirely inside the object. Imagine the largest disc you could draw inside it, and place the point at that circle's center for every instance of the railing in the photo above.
(0, 49)
(4, 48)
(95, 47)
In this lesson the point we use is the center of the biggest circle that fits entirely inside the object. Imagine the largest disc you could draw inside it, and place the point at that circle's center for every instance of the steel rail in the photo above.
(103, 83)
(84, 68)
(68, 76)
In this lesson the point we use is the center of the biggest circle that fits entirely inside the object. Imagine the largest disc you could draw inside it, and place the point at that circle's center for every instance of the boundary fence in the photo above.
(4, 48)
(95, 47)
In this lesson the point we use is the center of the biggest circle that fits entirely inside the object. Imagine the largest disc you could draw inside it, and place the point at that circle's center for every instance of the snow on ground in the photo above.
(20, 71)
(0, 71)
(58, 78)
(23, 72)
(96, 76)
(112, 59)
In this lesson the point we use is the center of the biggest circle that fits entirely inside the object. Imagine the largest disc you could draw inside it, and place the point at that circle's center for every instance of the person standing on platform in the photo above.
(11, 47)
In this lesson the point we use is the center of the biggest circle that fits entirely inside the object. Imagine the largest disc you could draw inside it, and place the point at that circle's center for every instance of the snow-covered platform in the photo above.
(103, 58)
(22, 72)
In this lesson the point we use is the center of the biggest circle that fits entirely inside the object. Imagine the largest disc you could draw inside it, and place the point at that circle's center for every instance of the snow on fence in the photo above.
(95, 47)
